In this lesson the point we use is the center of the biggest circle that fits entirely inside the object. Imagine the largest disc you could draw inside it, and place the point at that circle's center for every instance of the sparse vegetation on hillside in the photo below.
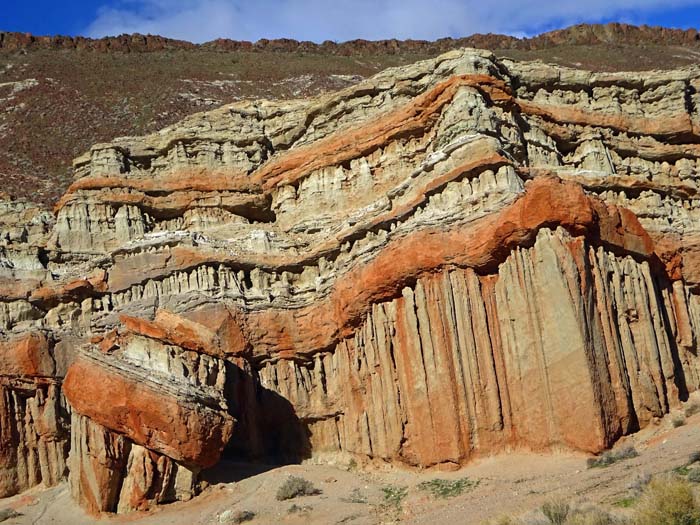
(687, 468)
(610, 457)
(80, 98)
(664, 501)
(667, 501)
(394, 495)
(446, 488)
(691, 470)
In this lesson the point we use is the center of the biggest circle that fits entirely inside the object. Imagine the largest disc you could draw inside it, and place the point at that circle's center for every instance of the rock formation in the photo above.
(582, 34)
(448, 260)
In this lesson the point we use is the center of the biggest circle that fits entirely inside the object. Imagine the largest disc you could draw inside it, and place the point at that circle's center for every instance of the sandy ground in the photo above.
(510, 484)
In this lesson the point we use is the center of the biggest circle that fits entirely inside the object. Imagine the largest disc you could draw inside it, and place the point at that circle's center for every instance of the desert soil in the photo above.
(512, 484)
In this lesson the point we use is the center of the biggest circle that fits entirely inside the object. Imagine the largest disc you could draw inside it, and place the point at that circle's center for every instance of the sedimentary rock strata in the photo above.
(449, 260)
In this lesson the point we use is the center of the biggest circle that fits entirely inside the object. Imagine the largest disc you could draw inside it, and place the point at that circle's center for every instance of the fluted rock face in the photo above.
(109, 473)
(458, 258)
(33, 416)
(567, 346)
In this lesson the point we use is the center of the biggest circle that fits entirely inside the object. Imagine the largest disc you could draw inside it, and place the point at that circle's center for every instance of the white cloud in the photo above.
(340, 20)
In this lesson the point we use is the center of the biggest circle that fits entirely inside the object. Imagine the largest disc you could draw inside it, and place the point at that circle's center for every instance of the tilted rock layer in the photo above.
(449, 260)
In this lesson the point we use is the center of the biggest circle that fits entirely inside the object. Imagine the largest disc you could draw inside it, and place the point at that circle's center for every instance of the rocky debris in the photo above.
(448, 260)
(8, 89)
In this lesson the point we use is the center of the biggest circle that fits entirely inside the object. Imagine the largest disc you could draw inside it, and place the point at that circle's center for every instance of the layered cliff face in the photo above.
(449, 260)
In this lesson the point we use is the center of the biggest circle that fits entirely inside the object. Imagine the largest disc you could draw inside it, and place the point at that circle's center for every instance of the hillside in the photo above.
(59, 95)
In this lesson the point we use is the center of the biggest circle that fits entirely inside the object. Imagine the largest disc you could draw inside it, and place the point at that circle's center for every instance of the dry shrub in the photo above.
(694, 457)
(296, 486)
(556, 511)
(667, 501)
(678, 421)
(592, 517)
(692, 409)
(610, 457)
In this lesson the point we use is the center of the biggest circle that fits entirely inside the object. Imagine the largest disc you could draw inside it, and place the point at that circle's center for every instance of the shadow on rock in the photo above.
(268, 433)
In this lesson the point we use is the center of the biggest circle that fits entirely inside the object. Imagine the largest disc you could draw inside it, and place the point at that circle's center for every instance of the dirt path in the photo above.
(512, 484)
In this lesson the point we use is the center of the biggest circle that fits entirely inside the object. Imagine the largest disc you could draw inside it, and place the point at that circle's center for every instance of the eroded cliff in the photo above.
(457, 258)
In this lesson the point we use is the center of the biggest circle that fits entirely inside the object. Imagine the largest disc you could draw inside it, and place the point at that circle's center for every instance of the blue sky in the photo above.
(318, 20)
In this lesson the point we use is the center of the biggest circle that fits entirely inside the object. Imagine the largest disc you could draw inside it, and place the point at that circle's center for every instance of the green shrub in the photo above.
(610, 457)
(694, 475)
(445, 488)
(626, 502)
(667, 501)
(294, 487)
(394, 495)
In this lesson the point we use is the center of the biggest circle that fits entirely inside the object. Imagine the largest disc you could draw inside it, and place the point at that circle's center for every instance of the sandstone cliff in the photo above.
(449, 260)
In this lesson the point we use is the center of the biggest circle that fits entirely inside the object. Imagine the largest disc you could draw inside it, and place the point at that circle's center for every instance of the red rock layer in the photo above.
(26, 356)
(535, 356)
(482, 245)
(188, 432)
